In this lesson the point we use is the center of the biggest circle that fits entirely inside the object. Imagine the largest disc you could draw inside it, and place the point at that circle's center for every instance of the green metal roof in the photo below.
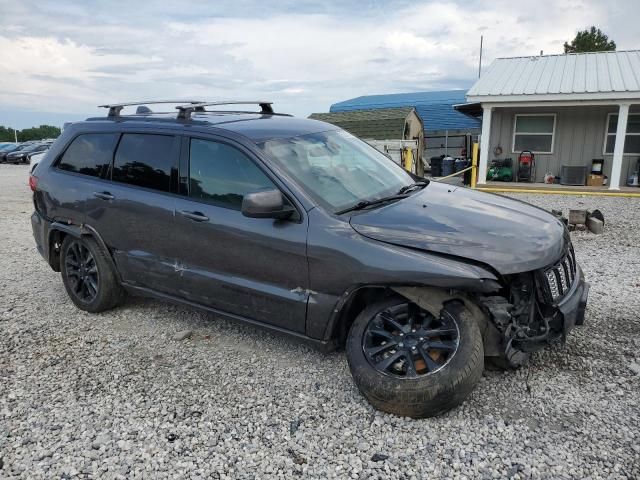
(377, 124)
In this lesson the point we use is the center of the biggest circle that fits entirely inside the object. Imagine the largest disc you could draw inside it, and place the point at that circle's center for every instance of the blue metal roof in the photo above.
(435, 108)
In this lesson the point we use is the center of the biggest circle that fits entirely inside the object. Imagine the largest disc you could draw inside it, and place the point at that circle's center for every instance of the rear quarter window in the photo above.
(89, 154)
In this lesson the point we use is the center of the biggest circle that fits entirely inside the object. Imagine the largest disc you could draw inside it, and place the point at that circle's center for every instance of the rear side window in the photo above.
(222, 175)
(89, 154)
(147, 161)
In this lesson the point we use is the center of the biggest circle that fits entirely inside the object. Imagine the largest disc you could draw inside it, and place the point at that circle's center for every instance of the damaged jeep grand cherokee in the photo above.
(297, 226)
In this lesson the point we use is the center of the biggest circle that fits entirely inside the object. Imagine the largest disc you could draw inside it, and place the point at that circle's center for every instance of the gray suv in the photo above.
(297, 226)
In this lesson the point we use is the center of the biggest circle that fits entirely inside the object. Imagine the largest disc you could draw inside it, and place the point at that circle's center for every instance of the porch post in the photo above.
(618, 149)
(485, 139)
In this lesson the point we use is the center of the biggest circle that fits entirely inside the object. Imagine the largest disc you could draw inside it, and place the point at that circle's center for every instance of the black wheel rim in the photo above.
(406, 341)
(82, 272)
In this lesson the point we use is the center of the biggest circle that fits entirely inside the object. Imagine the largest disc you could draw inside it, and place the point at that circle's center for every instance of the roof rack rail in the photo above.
(116, 108)
(184, 111)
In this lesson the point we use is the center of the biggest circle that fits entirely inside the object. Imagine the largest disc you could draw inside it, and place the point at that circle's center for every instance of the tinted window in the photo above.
(222, 175)
(146, 161)
(89, 154)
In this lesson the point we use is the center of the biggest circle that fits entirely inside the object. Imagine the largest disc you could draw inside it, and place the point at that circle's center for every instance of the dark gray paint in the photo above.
(292, 275)
(510, 236)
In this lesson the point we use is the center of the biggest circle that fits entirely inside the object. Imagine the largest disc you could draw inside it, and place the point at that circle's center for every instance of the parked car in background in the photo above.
(22, 155)
(7, 149)
(35, 158)
(298, 226)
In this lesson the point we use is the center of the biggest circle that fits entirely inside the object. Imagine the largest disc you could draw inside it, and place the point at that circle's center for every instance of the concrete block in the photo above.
(577, 217)
(595, 225)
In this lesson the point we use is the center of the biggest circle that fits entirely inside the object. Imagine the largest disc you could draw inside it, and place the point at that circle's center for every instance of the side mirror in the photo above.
(266, 204)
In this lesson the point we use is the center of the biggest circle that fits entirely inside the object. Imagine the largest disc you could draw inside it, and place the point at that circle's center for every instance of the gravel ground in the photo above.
(115, 395)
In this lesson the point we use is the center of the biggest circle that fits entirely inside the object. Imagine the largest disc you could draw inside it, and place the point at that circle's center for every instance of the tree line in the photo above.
(7, 134)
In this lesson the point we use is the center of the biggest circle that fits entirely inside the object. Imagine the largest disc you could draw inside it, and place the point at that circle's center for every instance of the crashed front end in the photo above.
(537, 307)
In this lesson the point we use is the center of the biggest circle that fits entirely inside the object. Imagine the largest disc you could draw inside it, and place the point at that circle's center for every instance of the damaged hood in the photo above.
(509, 235)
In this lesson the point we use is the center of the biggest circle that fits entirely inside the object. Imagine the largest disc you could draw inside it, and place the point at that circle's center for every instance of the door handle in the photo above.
(195, 216)
(103, 195)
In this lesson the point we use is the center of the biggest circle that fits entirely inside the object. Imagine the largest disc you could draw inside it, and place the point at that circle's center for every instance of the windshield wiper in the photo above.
(407, 188)
(368, 203)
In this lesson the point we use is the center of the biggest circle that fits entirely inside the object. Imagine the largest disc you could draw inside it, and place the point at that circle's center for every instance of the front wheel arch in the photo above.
(355, 300)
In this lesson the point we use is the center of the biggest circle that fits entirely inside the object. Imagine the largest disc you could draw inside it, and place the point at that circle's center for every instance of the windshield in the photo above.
(337, 169)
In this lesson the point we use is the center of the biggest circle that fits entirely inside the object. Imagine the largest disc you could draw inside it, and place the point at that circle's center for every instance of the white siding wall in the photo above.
(579, 138)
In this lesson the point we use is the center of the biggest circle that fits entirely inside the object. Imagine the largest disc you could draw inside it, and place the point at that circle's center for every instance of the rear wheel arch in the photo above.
(59, 231)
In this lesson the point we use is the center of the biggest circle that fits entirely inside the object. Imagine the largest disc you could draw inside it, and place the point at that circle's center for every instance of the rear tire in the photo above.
(426, 388)
(88, 276)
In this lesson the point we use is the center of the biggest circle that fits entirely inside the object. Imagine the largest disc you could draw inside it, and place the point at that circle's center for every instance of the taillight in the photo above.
(33, 182)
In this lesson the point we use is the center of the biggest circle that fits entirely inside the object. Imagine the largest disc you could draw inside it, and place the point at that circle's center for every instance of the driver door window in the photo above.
(222, 175)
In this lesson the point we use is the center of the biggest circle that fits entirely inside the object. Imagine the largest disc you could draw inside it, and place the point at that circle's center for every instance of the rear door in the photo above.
(252, 267)
(76, 174)
(133, 209)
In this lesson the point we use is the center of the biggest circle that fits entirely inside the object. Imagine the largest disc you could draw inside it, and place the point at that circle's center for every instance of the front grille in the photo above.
(560, 277)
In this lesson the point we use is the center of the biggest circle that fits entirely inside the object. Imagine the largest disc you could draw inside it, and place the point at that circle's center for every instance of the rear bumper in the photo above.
(40, 227)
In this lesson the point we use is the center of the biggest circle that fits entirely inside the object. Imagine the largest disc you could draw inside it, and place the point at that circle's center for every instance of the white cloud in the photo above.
(77, 55)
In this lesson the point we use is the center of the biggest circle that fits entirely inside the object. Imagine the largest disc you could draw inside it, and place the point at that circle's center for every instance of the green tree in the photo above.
(33, 133)
(6, 134)
(38, 133)
(592, 40)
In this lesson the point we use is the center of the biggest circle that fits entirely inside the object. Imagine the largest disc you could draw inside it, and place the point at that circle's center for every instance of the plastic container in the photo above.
(448, 165)
(460, 164)
(436, 166)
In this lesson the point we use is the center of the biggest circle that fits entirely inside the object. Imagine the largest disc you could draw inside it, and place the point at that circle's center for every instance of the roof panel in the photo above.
(546, 76)
(434, 108)
(582, 73)
(615, 73)
(633, 80)
(380, 124)
(604, 73)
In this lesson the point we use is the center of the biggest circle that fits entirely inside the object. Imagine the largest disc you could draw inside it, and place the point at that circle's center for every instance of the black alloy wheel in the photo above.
(406, 341)
(81, 271)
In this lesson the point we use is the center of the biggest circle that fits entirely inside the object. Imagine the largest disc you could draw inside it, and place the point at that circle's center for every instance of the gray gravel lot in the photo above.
(114, 395)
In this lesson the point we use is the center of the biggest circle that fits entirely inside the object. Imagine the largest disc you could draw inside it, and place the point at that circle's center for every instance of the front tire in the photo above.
(88, 276)
(410, 362)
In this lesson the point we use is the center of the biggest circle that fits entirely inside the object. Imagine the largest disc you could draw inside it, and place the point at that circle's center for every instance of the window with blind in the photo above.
(534, 132)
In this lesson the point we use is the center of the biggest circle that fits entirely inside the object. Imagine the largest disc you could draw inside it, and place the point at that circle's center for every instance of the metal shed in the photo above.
(569, 109)
(445, 128)
(386, 124)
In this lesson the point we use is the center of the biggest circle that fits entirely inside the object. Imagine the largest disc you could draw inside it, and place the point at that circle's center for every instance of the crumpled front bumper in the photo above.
(574, 304)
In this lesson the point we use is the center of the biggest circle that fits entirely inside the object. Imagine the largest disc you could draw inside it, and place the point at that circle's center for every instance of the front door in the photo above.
(252, 267)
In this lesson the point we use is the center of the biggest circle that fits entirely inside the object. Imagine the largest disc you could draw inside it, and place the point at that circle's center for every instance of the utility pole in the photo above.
(15, 134)
(480, 62)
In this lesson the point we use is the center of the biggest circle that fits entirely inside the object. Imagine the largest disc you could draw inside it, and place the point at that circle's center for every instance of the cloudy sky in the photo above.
(59, 59)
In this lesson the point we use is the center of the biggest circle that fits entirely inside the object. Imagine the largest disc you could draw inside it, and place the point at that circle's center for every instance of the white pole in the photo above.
(485, 139)
(15, 134)
(618, 149)
(480, 61)
(446, 143)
